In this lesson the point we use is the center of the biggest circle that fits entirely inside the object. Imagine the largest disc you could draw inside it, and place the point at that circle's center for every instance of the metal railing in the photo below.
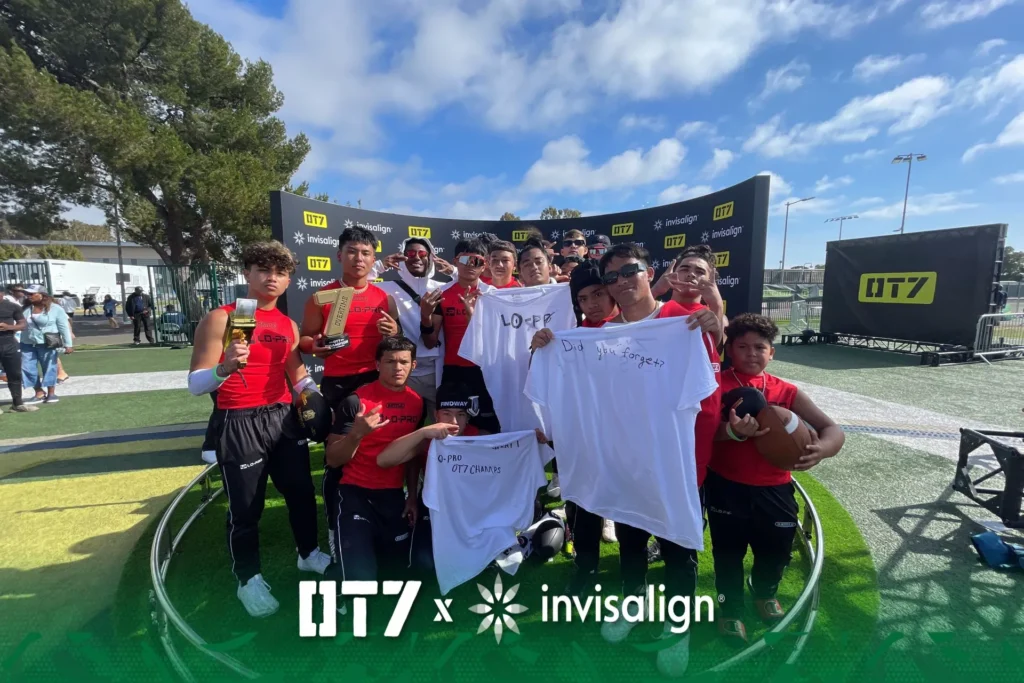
(809, 539)
(192, 291)
(794, 276)
(999, 334)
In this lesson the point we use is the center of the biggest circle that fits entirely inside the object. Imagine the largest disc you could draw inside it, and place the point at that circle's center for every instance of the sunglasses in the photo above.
(626, 271)
(574, 243)
(415, 253)
(471, 260)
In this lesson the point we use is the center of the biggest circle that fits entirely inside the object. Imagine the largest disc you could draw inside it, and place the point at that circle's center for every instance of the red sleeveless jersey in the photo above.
(265, 382)
(711, 407)
(361, 327)
(454, 323)
(404, 412)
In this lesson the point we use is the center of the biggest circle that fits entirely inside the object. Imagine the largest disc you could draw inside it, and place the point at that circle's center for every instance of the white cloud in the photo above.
(563, 166)
(1009, 178)
(867, 201)
(718, 163)
(946, 13)
(367, 168)
(694, 128)
(783, 79)
(989, 45)
(778, 186)
(1012, 136)
(825, 184)
(995, 89)
(921, 205)
(904, 108)
(682, 192)
(631, 121)
(862, 156)
(873, 66)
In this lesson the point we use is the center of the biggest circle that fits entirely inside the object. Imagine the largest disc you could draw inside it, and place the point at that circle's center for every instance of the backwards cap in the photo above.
(453, 396)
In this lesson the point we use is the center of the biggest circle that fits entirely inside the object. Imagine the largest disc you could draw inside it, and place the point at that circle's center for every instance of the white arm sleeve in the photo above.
(204, 381)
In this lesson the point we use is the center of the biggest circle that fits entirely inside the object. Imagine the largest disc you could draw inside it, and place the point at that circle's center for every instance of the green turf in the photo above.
(109, 361)
(978, 391)
(106, 412)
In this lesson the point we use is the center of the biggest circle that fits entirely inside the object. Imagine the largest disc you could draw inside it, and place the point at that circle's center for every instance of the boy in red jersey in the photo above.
(751, 502)
(501, 257)
(372, 512)
(258, 432)
(449, 310)
(372, 316)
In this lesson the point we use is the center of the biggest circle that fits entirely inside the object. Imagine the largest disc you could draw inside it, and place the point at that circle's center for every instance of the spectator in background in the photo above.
(89, 304)
(110, 311)
(573, 244)
(46, 332)
(569, 264)
(172, 317)
(12, 322)
(139, 307)
(69, 303)
(599, 244)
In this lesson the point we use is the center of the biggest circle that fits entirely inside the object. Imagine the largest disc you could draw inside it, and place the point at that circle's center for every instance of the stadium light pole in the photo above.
(909, 159)
(841, 219)
(785, 230)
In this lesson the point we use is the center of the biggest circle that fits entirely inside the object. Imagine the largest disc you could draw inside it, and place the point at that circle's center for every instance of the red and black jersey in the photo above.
(265, 382)
(368, 307)
(739, 461)
(454, 322)
(710, 407)
(404, 412)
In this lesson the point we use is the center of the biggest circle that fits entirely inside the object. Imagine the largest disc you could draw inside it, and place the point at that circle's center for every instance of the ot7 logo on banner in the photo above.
(897, 288)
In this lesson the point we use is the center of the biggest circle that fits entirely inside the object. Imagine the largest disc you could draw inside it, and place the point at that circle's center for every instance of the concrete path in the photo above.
(90, 385)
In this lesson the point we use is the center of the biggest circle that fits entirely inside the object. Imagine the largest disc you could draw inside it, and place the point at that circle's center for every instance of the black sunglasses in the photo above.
(628, 270)
(574, 243)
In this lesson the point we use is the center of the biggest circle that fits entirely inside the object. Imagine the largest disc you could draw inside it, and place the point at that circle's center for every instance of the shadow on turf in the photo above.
(833, 357)
(104, 464)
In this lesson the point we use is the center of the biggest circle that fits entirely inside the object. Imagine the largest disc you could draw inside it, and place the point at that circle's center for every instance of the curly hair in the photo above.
(270, 254)
(701, 251)
(761, 325)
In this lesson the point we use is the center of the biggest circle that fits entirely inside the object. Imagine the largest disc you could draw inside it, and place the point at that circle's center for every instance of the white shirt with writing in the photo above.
(620, 404)
(480, 491)
(498, 340)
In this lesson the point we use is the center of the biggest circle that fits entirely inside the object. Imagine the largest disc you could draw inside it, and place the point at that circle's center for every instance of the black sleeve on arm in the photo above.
(345, 415)
(423, 416)
(18, 315)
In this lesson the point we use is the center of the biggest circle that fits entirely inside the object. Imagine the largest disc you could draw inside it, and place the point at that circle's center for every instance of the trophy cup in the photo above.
(241, 324)
(340, 301)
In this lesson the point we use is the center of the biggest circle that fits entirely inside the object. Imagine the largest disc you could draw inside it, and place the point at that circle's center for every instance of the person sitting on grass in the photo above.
(750, 501)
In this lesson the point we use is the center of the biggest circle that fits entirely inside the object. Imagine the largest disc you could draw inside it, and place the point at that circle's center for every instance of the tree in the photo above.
(509, 216)
(552, 212)
(9, 251)
(1013, 264)
(135, 107)
(60, 252)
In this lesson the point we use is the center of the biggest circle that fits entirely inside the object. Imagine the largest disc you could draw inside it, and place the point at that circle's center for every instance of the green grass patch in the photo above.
(127, 360)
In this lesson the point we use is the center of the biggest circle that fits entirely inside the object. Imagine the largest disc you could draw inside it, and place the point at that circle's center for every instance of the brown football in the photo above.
(785, 443)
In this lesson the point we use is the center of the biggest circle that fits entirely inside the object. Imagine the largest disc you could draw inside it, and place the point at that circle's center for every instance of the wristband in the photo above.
(732, 434)
(426, 330)
(305, 383)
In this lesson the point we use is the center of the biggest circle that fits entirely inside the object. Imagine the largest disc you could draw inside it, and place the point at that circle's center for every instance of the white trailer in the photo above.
(77, 277)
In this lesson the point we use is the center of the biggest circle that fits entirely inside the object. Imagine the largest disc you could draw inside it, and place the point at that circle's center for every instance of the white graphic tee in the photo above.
(480, 491)
(620, 403)
(498, 340)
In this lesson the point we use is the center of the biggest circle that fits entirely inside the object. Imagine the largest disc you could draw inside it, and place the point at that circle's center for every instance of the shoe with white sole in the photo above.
(618, 630)
(674, 660)
(316, 562)
(608, 532)
(209, 457)
(23, 409)
(554, 490)
(256, 598)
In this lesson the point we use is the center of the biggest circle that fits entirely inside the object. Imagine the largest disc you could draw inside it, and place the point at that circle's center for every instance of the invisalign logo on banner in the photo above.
(374, 227)
(734, 231)
(721, 259)
(723, 211)
(682, 220)
(622, 229)
(416, 231)
(675, 241)
(314, 220)
(325, 240)
(318, 263)
(728, 280)
(520, 235)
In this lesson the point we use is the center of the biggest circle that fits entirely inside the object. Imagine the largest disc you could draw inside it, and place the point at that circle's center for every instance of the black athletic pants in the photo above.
(586, 536)
(335, 390)
(370, 530)
(680, 563)
(473, 378)
(761, 517)
(256, 443)
(140, 322)
(10, 361)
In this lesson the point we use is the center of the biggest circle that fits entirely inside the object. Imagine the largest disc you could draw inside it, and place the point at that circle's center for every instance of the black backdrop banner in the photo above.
(921, 286)
(733, 221)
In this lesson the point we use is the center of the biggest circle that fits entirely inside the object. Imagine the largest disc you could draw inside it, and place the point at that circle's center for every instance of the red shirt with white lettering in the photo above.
(264, 373)
(368, 306)
(404, 412)
(454, 322)
(710, 407)
(740, 461)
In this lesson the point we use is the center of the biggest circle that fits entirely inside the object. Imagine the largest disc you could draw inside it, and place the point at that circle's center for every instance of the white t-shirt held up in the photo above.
(620, 404)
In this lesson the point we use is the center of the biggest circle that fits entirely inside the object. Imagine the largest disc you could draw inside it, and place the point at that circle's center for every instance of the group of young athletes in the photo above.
(400, 383)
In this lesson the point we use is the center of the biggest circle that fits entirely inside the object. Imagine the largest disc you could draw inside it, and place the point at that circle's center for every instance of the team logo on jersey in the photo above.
(622, 229)
(314, 220)
(419, 231)
(723, 211)
(897, 288)
(318, 263)
(675, 241)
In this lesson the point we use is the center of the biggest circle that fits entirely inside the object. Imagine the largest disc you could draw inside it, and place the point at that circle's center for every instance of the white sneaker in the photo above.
(210, 457)
(618, 631)
(608, 532)
(674, 659)
(317, 562)
(554, 490)
(256, 598)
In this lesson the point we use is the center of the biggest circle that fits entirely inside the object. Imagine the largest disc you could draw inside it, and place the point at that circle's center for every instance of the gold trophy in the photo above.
(241, 324)
(340, 301)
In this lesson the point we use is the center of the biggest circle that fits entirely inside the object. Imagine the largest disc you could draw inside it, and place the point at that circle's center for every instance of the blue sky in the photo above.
(468, 109)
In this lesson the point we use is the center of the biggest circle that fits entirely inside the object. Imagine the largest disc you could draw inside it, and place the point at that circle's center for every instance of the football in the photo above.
(785, 443)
